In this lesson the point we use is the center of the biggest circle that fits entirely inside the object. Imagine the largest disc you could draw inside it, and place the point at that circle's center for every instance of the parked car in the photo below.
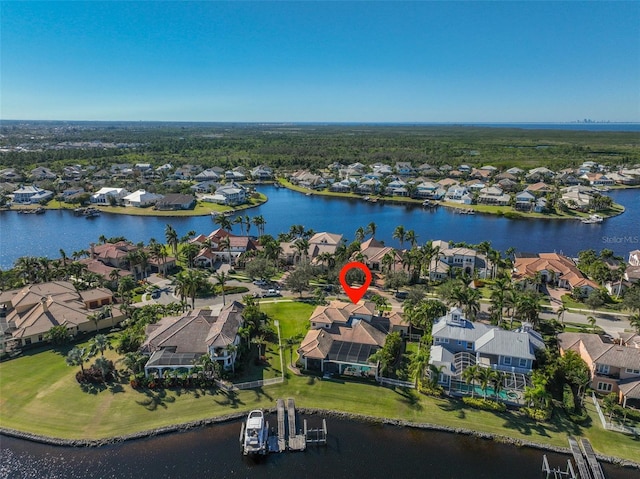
(401, 295)
(260, 282)
(270, 293)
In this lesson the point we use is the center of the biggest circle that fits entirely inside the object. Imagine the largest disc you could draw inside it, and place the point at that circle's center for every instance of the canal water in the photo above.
(354, 450)
(45, 235)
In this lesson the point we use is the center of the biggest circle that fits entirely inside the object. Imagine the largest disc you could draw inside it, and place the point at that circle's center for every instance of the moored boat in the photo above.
(592, 219)
(256, 434)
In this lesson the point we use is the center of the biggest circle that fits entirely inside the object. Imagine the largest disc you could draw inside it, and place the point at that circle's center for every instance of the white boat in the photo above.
(592, 219)
(256, 433)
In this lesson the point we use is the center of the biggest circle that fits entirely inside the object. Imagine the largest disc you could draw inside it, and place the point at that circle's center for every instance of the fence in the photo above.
(248, 385)
(396, 382)
(611, 426)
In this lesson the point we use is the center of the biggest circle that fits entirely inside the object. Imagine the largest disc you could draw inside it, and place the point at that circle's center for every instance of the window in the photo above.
(632, 371)
(602, 368)
(507, 360)
(27, 341)
(604, 387)
(469, 345)
(459, 342)
(442, 340)
(523, 363)
(40, 337)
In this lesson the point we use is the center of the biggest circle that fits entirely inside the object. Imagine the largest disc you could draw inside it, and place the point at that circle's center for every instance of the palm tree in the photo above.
(100, 344)
(560, 313)
(359, 235)
(381, 303)
(498, 290)
(371, 229)
(290, 343)
(419, 362)
(497, 381)
(172, 238)
(76, 357)
(301, 246)
(259, 223)
(260, 341)
(400, 234)
(114, 276)
(239, 220)
(95, 318)
(485, 376)
(224, 222)
(225, 243)
(247, 223)
(412, 238)
(231, 350)
(470, 375)
(188, 283)
(592, 321)
(63, 255)
(634, 321)
(221, 279)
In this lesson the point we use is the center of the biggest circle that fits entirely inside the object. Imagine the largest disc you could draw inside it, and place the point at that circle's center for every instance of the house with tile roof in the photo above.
(552, 268)
(614, 365)
(176, 343)
(30, 312)
(219, 251)
(343, 336)
(459, 343)
(373, 253)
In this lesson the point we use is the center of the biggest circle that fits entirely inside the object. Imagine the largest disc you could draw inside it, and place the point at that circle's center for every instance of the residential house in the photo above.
(33, 310)
(176, 201)
(493, 195)
(104, 196)
(342, 338)
(552, 268)
(262, 173)
(539, 189)
(31, 195)
(577, 197)
(205, 186)
(141, 198)
(207, 175)
(458, 194)
(597, 179)
(430, 190)
(614, 367)
(459, 343)
(525, 201)
(220, 250)
(539, 175)
(233, 194)
(468, 260)
(41, 173)
(10, 174)
(176, 343)
(377, 256)
(404, 168)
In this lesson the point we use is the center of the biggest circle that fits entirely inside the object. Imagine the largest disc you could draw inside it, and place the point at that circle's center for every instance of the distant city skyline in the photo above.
(349, 62)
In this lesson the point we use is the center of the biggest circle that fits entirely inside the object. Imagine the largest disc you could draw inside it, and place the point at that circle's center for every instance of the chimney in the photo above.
(43, 302)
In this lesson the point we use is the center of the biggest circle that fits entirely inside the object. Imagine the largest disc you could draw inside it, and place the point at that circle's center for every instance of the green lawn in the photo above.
(39, 394)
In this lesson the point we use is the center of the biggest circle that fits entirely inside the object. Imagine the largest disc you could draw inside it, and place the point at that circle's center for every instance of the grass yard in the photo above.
(39, 394)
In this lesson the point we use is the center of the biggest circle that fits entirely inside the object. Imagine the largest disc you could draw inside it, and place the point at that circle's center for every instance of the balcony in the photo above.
(506, 369)
(608, 375)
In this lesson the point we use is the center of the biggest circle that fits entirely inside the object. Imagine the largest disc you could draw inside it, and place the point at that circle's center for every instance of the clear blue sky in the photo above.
(321, 61)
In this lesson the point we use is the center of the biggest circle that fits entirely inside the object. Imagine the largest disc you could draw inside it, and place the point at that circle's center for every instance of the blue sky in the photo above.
(321, 61)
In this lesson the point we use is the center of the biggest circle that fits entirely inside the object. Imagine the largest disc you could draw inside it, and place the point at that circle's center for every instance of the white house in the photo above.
(141, 198)
(103, 195)
(31, 194)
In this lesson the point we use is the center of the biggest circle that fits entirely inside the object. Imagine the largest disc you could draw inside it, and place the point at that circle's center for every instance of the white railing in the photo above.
(611, 426)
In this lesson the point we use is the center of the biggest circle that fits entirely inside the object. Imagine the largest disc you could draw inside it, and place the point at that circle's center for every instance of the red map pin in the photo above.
(355, 294)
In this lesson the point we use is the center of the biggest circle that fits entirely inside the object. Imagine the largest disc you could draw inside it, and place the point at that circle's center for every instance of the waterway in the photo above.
(45, 235)
(354, 450)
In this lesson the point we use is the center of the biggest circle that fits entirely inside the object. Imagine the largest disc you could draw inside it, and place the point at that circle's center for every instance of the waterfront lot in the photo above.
(39, 394)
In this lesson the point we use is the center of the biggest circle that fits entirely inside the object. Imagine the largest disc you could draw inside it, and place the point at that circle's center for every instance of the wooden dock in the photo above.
(596, 469)
(297, 442)
(289, 435)
(583, 470)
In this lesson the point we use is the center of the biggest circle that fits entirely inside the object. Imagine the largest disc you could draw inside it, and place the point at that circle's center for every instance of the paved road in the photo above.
(612, 323)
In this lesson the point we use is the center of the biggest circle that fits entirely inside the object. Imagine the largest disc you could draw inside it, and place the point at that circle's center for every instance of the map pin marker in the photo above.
(355, 294)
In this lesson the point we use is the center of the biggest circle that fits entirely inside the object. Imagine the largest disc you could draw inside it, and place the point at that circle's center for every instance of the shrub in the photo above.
(568, 401)
(484, 404)
(428, 390)
(537, 414)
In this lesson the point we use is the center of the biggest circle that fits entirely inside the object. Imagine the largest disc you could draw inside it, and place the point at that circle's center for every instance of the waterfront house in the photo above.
(176, 343)
(105, 195)
(231, 195)
(176, 201)
(141, 198)
(458, 194)
(468, 260)
(525, 201)
(538, 189)
(262, 173)
(219, 251)
(30, 195)
(429, 190)
(614, 366)
(459, 343)
(205, 186)
(552, 268)
(373, 254)
(33, 310)
(493, 195)
(597, 179)
(342, 338)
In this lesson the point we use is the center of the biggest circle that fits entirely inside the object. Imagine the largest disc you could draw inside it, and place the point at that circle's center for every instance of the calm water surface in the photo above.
(354, 450)
(44, 235)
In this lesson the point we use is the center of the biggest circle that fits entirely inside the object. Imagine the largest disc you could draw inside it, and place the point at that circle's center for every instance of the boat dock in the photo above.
(585, 459)
(557, 473)
(289, 435)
